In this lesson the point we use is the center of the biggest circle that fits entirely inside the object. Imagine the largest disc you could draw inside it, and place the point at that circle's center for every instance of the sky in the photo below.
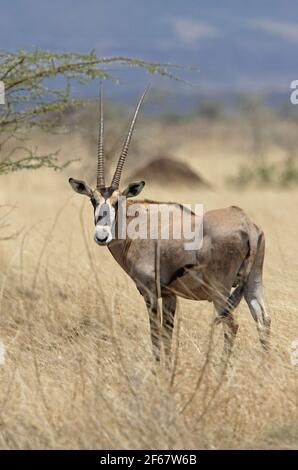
(237, 45)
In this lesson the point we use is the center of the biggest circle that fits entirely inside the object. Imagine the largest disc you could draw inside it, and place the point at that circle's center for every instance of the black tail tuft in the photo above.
(233, 301)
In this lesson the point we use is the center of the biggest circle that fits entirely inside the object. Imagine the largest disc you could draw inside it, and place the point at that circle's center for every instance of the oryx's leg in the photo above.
(254, 296)
(169, 302)
(155, 324)
(230, 325)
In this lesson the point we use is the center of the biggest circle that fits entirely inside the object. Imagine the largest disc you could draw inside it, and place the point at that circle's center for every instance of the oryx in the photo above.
(227, 266)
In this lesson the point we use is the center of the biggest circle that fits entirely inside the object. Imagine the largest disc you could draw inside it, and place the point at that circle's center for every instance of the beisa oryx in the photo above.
(225, 267)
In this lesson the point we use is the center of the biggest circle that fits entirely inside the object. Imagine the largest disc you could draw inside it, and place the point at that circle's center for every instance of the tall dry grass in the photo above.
(78, 370)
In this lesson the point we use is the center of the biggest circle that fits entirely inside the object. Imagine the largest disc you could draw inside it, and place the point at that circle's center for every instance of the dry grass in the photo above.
(78, 371)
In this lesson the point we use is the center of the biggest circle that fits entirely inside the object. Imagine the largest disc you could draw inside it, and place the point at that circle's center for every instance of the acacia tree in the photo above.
(38, 90)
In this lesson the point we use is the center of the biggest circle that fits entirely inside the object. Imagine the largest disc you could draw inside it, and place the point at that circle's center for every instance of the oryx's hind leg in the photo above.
(254, 296)
(254, 299)
(169, 302)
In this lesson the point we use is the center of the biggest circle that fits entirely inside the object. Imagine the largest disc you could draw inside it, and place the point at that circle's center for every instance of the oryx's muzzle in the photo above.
(103, 235)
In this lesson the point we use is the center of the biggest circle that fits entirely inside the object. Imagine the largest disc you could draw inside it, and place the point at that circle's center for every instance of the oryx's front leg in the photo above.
(230, 325)
(155, 324)
(169, 303)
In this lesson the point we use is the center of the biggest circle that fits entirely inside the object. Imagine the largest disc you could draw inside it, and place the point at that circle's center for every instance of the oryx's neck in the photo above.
(119, 249)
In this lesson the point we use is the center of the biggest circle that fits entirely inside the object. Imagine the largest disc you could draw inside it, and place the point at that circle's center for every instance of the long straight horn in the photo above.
(117, 175)
(100, 153)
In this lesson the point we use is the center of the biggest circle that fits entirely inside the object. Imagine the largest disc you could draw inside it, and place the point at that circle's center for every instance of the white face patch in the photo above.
(104, 218)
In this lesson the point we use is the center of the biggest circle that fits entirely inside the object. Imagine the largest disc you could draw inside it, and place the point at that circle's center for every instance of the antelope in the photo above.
(225, 268)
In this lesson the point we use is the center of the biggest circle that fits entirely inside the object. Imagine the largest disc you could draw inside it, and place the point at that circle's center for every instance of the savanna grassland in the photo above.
(77, 370)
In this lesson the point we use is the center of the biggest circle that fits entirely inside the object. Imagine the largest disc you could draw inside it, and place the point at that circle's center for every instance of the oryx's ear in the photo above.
(133, 189)
(80, 187)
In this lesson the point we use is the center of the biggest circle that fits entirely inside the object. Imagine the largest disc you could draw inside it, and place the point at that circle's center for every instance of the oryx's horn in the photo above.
(100, 153)
(117, 175)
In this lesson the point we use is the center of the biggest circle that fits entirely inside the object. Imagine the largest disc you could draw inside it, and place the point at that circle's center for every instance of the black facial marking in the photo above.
(104, 215)
(107, 192)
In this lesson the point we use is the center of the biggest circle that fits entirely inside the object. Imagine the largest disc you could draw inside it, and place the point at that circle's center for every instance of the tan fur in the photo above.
(230, 250)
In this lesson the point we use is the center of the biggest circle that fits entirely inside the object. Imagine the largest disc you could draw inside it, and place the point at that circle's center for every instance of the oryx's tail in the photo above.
(233, 300)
